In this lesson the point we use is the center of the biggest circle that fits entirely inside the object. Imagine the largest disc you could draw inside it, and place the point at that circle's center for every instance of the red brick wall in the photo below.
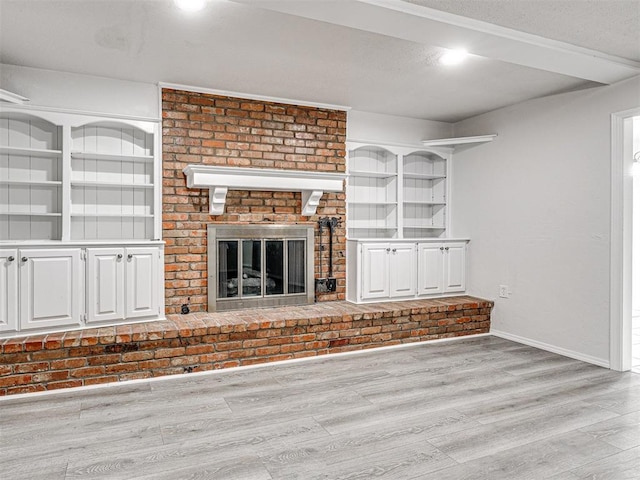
(226, 131)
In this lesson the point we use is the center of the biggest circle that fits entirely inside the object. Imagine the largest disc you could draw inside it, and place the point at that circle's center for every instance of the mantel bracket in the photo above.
(310, 201)
(217, 200)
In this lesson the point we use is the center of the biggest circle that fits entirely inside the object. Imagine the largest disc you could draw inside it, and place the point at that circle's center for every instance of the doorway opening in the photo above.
(622, 356)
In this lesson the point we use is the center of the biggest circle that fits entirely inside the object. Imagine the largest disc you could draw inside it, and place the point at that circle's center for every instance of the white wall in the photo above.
(376, 127)
(48, 88)
(536, 205)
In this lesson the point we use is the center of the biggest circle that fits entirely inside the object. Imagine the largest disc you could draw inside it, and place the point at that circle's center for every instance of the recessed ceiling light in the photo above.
(190, 5)
(453, 57)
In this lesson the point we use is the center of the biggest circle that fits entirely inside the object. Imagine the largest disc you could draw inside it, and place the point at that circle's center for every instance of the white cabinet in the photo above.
(122, 283)
(50, 287)
(455, 267)
(441, 268)
(404, 269)
(388, 270)
(142, 282)
(8, 289)
(375, 270)
(78, 187)
(105, 284)
(430, 268)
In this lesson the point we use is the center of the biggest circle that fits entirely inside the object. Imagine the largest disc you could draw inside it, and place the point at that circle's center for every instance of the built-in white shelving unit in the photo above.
(74, 187)
(112, 182)
(372, 192)
(74, 177)
(396, 192)
(424, 200)
(30, 178)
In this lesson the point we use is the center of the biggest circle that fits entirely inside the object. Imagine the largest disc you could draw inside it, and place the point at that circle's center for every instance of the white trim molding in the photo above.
(620, 340)
(601, 362)
(219, 180)
(251, 96)
(7, 96)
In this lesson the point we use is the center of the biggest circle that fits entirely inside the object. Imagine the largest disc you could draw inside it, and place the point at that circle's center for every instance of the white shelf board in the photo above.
(110, 184)
(374, 203)
(373, 228)
(111, 157)
(423, 176)
(30, 152)
(113, 215)
(456, 141)
(425, 227)
(30, 214)
(39, 183)
(422, 202)
(362, 173)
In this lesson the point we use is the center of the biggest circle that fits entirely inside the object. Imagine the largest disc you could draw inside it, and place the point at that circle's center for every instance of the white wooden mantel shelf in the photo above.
(219, 180)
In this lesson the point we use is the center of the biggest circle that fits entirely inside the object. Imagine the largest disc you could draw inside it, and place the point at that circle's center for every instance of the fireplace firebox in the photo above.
(259, 266)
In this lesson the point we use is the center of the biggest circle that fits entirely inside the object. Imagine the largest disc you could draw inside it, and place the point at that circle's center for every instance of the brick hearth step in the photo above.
(207, 341)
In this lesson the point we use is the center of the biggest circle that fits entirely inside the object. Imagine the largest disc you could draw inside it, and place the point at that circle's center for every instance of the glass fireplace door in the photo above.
(251, 268)
(228, 262)
(274, 267)
(259, 266)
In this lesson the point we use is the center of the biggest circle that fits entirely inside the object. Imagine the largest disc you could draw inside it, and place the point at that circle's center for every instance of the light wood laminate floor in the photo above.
(478, 408)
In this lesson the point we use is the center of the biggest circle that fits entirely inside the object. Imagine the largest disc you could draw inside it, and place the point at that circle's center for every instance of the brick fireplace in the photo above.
(213, 130)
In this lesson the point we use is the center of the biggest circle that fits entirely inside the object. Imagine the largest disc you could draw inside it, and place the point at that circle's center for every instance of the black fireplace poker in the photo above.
(328, 284)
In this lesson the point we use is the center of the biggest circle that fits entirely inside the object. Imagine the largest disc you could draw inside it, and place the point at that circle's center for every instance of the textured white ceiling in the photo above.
(247, 49)
(608, 26)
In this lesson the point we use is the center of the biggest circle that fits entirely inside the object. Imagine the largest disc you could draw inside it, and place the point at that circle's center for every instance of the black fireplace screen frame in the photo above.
(254, 282)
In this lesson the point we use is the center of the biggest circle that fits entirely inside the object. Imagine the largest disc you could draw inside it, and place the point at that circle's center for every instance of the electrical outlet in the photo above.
(504, 291)
(331, 284)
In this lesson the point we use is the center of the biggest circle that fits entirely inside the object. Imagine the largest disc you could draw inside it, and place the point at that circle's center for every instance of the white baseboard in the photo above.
(552, 348)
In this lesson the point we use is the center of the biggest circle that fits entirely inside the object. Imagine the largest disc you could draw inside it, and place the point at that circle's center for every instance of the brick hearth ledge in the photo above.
(207, 341)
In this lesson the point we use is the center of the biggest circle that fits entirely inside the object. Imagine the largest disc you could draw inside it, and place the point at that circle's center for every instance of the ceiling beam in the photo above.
(407, 21)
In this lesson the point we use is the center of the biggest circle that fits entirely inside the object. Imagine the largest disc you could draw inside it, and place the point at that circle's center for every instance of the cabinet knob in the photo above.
(130, 256)
(11, 258)
(119, 256)
(388, 249)
(441, 248)
(446, 248)
(24, 259)
(394, 250)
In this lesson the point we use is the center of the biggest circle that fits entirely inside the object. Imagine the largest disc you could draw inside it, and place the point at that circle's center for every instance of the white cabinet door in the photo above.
(141, 281)
(105, 284)
(50, 287)
(402, 270)
(454, 268)
(430, 268)
(375, 270)
(8, 289)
